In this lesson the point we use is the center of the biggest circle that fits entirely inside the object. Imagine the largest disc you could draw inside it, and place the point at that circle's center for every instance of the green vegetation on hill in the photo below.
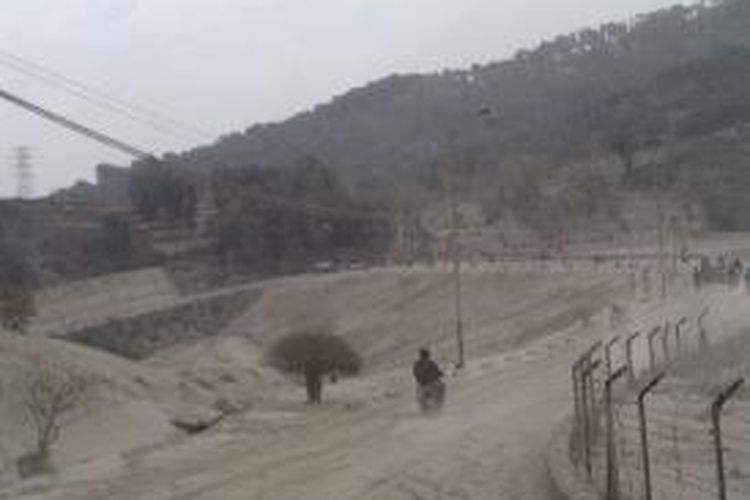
(673, 75)
(42, 243)
(544, 101)
(281, 220)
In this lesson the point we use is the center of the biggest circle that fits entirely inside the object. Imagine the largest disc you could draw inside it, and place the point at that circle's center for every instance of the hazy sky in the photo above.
(222, 65)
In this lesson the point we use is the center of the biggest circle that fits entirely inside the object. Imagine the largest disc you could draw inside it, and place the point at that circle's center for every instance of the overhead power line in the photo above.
(103, 104)
(279, 201)
(102, 99)
(74, 126)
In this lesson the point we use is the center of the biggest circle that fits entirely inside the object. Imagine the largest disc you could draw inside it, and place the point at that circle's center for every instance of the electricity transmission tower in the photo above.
(24, 173)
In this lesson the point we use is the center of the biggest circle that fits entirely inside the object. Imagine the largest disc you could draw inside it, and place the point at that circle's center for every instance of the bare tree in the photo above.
(314, 353)
(51, 390)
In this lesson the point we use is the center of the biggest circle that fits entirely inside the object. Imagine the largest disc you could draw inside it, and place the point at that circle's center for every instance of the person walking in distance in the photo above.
(430, 385)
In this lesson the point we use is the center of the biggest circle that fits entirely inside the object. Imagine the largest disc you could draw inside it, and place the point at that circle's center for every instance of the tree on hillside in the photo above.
(16, 285)
(16, 308)
(629, 123)
(118, 235)
(281, 220)
(158, 189)
(313, 354)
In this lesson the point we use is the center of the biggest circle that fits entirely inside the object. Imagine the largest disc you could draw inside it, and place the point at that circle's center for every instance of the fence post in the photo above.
(595, 403)
(665, 341)
(644, 433)
(716, 407)
(678, 335)
(651, 355)
(702, 334)
(575, 370)
(589, 355)
(612, 479)
(629, 355)
(584, 435)
(608, 354)
(594, 347)
(587, 371)
(584, 395)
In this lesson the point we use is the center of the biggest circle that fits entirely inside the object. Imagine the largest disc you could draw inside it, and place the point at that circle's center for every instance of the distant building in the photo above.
(82, 193)
(113, 183)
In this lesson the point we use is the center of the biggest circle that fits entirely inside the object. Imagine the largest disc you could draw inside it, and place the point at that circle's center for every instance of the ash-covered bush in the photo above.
(313, 354)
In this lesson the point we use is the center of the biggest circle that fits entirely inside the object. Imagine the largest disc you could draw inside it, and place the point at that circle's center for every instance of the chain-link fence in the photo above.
(643, 432)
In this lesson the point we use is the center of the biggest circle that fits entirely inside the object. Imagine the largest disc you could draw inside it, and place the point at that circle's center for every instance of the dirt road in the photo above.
(488, 443)
(368, 441)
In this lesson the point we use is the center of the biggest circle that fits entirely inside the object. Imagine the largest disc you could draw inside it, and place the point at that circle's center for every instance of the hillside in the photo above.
(576, 140)
(570, 141)
(389, 313)
(550, 102)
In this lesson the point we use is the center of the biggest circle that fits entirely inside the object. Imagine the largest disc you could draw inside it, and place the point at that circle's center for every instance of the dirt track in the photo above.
(489, 443)
(368, 441)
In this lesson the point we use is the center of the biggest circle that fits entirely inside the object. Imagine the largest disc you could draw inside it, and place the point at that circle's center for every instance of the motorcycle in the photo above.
(431, 397)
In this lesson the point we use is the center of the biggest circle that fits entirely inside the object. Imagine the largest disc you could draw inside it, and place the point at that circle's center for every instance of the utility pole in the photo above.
(456, 256)
(456, 222)
(675, 229)
(24, 173)
(660, 221)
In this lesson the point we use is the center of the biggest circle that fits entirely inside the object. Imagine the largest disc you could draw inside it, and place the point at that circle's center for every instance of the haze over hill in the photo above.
(580, 138)
(553, 100)
(222, 65)
(621, 98)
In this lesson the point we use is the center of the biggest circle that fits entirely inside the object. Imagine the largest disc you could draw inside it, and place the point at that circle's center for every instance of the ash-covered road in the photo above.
(489, 443)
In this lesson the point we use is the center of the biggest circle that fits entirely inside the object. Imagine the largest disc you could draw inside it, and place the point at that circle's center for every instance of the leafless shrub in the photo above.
(50, 391)
(314, 353)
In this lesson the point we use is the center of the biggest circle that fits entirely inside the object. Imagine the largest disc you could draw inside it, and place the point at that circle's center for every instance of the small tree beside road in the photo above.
(314, 354)
(50, 391)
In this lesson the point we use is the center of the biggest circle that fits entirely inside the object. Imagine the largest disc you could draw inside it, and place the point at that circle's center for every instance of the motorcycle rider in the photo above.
(429, 378)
